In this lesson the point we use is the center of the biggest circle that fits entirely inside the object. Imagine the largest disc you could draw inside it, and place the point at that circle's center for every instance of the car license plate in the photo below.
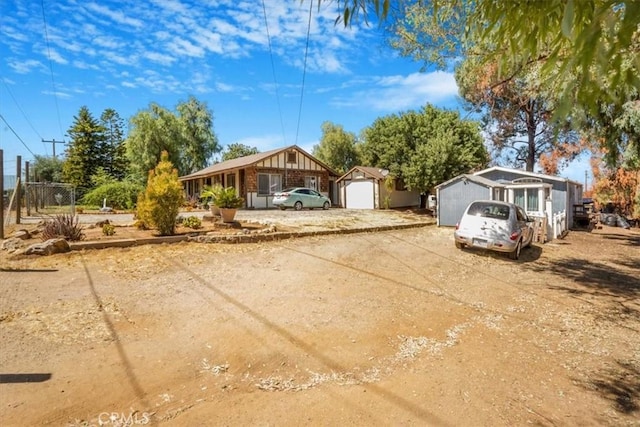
(480, 243)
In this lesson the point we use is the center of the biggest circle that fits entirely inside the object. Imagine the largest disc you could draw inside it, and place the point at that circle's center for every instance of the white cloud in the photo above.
(53, 55)
(58, 94)
(24, 67)
(180, 46)
(160, 58)
(397, 93)
(108, 42)
(223, 87)
(85, 66)
(116, 16)
(209, 40)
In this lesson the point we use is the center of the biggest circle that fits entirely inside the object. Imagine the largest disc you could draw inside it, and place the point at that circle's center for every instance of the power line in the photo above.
(17, 136)
(21, 110)
(273, 70)
(304, 70)
(53, 82)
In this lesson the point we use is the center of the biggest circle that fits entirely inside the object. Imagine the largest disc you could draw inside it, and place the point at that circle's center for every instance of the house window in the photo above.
(311, 182)
(518, 197)
(231, 180)
(292, 157)
(269, 183)
(532, 199)
(526, 198)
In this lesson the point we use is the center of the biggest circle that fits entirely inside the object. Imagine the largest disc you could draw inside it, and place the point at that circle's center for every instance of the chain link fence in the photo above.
(49, 198)
(38, 199)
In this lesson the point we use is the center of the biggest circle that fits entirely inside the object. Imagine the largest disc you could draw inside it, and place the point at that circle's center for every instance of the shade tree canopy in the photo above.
(518, 119)
(186, 135)
(337, 148)
(425, 147)
(236, 150)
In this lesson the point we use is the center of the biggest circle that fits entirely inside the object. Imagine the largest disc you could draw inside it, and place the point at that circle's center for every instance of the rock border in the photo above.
(236, 238)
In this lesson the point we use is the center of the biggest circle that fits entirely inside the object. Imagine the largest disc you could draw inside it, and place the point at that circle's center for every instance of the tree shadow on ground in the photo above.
(631, 239)
(594, 278)
(619, 385)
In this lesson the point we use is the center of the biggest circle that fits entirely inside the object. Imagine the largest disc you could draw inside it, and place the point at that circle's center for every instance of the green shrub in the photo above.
(108, 229)
(158, 206)
(119, 195)
(63, 225)
(192, 222)
(227, 198)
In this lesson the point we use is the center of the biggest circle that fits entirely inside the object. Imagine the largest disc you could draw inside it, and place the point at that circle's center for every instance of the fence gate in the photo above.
(49, 198)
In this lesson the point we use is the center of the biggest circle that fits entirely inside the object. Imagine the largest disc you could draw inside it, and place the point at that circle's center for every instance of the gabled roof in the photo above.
(376, 173)
(525, 173)
(473, 178)
(243, 162)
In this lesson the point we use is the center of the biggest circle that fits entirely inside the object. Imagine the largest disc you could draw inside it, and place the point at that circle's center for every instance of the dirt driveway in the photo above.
(388, 328)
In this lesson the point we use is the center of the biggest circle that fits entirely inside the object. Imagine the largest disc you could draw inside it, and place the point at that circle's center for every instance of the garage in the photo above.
(359, 194)
(366, 187)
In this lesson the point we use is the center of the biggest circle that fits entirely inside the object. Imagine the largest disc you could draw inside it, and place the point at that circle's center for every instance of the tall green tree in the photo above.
(187, 137)
(199, 141)
(85, 151)
(151, 132)
(47, 169)
(424, 148)
(517, 117)
(337, 148)
(236, 150)
(115, 162)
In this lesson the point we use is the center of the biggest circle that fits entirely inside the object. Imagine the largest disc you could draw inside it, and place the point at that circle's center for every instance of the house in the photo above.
(365, 187)
(543, 196)
(257, 177)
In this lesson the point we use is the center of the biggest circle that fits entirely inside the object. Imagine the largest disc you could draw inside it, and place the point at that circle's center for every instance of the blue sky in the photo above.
(126, 54)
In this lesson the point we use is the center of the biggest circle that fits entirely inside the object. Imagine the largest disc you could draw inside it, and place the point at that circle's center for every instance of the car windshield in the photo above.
(489, 210)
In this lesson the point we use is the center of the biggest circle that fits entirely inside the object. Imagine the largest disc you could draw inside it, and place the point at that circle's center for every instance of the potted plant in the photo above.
(211, 193)
(228, 201)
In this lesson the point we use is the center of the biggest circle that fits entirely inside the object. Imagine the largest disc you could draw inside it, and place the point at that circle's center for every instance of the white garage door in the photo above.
(359, 195)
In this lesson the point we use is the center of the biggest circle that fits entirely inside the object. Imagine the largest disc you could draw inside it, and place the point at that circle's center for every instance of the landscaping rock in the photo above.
(12, 244)
(22, 234)
(50, 247)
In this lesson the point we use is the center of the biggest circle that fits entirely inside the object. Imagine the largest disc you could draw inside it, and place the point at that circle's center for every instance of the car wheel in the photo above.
(459, 245)
(516, 254)
(325, 206)
(282, 207)
(298, 205)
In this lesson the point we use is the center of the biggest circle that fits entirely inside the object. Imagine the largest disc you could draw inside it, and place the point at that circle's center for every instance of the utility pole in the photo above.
(54, 142)
(18, 193)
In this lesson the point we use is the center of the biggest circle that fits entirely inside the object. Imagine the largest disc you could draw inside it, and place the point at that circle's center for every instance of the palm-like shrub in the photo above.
(65, 225)
(227, 198)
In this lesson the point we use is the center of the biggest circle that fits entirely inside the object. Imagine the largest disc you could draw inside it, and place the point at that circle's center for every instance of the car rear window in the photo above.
(489, 210)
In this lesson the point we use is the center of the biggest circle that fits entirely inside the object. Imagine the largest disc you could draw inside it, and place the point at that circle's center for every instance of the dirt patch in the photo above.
(396, 327)
(127, 231)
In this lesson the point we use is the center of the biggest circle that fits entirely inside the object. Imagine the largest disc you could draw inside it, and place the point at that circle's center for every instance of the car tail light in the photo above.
(514, 236)
(457, 225)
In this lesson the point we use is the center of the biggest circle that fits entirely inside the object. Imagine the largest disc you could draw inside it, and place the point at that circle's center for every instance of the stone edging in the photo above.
(235, 238)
